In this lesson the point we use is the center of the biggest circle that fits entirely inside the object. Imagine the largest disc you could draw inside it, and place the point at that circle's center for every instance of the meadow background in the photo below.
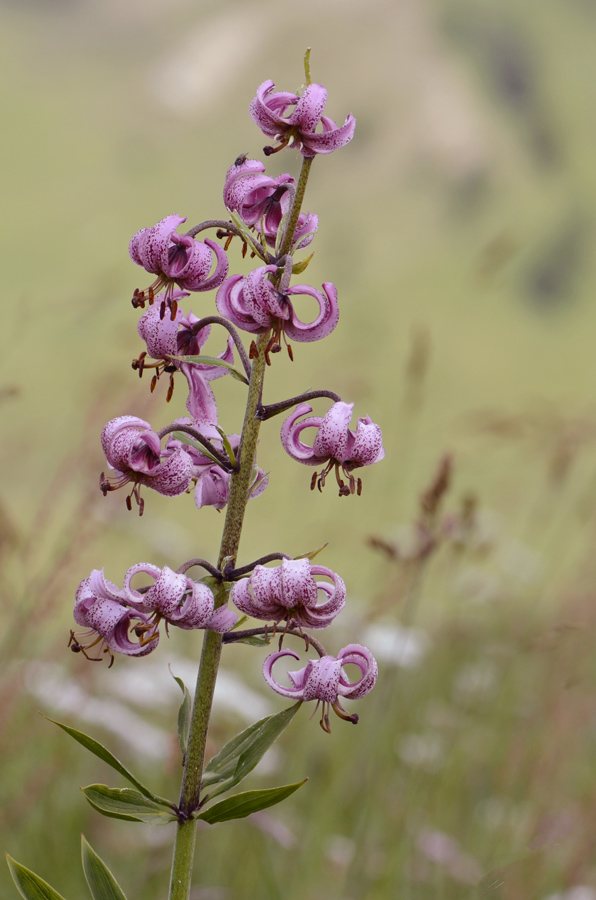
(458, 227)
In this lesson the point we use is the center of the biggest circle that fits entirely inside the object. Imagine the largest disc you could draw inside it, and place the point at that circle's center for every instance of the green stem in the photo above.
(286, 244)
(240, 483)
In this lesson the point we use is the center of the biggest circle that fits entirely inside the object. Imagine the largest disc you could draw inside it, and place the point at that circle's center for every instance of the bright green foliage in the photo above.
(102, 884)
(30, 885)
(244, 804)
(184, 714)
(240, 755)
(124, 803)
(103, 753)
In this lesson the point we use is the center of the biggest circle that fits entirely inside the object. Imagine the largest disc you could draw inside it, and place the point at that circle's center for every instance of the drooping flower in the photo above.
(255, 305)
(262, 202)
(176, 259)
(325, 681)
(269, 110)
(134, 451)
(335, 445)
(289, 591)
(174, 336)
(101, 608)
(177, 599)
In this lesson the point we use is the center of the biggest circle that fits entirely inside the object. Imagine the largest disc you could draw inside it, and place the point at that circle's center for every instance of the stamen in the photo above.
(359, 491)
(162, 310)
(153, 382)
(174, 310)
(313, 481)
(170, 389)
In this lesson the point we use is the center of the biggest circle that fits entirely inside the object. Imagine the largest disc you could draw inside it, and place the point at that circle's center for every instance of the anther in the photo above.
(162, 310)
(253, 352)
(128, 503)
(170, 389)
(313, 481)
(174, 310)
(359, 490)
(151, 296)
(290, 352)
(153, 383)
(228, 242)
(244, 249)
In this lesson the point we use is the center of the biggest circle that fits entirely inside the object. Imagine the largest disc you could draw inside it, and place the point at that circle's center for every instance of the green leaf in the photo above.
(102, 884)
(256, 640)
(227, 446)
(242, 753)
(213, 361)
(186, 439)
(242, 805)
(103, 753)
(299, 267)
(313, 553)
(184, 713)
(30, 885)
(124, 803)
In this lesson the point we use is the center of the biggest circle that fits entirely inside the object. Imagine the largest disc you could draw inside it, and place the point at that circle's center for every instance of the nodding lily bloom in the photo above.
(262, 202)
(289, 591)
(255, 305)
(177, 599)
(176, 259)
(269, 110)
(134, 451)
(325, 681)
(174, 336)
(335, 445)
(212, 481)
(100, 608)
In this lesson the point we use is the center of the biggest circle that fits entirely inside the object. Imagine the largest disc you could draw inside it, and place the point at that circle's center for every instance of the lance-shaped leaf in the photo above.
(213, 361)
(102, 884)
(299, 267)
(125, 803)
(184, 713)
(186, 439)
(242, 805)
(312, 553)
(103, 753)
(30, 885)
(242, 753)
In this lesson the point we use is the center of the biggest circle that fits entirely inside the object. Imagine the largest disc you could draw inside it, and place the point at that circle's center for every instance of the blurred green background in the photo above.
(458, 227)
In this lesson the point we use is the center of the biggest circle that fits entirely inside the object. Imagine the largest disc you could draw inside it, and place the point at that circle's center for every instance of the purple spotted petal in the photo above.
(359, 656)
(324, 323)
(331, 441)
(293, 693)
(149, 245)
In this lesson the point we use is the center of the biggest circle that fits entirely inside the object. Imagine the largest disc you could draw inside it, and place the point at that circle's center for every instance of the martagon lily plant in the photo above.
(287, 598)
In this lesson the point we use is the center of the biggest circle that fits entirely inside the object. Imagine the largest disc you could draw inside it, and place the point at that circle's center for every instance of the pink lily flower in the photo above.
(176, 259)
(177, 599)
(335, 445)
(262, 202)
(253, 304)
(100, 608)
(134, 451)
(289, 591)
(325, 681)
(269, 110)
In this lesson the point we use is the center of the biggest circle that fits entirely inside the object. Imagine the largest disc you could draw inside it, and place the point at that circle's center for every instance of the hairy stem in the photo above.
(240, 484)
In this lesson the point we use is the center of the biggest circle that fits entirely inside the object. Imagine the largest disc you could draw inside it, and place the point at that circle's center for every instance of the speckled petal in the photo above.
(330, 139)
(309, 109)
(323, 680)
(212, 488)
(231, 304)
(324, 323)
(172, 477)
(148, 245)
(133, 597)
(368, 443)
(298, 587)
(359, 656)
(331, 441)
(195, 277)
(161, 334)
(222, 620)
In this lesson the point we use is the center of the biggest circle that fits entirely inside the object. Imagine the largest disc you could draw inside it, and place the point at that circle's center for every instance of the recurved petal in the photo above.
(165, 595)
(231, 304)
(242, 598)
(161, 334)
(293, 693)
(212, 488)
(116, 426)
(148, 246)
(324, 323)
(172, 477)
(323, 680)
(102, 588)
(196, 608)
(132, 596)
(195, 278)
(331, 441)
(309, 109)
(330, 139)
(298, 587)
(222, 620)
(367, 447)
(121, 643)
(290, 435)
(360, 656)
